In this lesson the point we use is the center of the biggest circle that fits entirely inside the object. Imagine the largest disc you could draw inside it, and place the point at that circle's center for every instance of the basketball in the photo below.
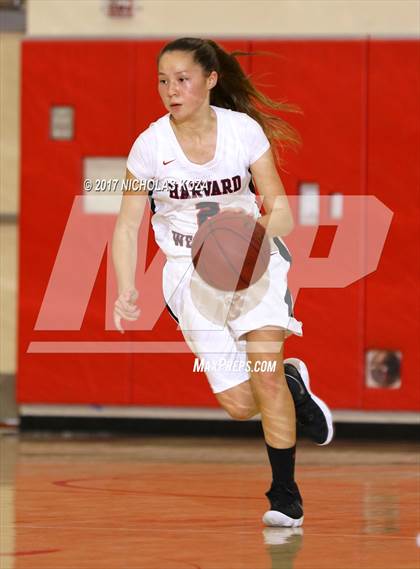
(230, 251)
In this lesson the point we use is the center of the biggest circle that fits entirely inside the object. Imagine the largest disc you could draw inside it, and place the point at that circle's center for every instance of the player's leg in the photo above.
(273, 305)
(313, 416)
(265, 352)
(242, 398)
(239, 401)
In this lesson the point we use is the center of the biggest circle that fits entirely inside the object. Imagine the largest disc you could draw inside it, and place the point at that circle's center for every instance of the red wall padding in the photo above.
(392, 302)
(325, 78)
(360, 131)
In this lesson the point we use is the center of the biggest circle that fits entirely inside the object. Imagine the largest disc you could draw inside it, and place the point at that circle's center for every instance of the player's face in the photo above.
(183, 86)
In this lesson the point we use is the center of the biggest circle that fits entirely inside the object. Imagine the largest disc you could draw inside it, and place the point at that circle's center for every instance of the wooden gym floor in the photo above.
(194, 503)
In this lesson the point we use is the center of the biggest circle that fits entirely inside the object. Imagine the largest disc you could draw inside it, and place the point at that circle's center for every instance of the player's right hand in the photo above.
(125, 308)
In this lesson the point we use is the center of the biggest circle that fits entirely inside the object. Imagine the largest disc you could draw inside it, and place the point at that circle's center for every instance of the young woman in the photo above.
(216, 136)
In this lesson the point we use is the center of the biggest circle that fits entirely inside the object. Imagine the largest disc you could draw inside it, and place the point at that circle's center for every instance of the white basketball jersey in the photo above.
(185, 194)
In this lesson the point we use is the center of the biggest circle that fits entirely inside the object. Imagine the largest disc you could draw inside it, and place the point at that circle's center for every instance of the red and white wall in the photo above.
(361, 132)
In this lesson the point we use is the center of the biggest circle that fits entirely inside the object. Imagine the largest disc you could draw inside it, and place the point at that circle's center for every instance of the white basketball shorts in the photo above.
(214, 323)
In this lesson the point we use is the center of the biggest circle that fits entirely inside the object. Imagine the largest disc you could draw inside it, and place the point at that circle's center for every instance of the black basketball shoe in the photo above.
(285, 506)
(312, 414)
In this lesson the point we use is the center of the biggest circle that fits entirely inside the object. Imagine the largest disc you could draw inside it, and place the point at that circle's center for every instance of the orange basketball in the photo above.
(230, 251)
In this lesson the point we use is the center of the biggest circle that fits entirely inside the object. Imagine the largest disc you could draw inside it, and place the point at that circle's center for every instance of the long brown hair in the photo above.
(235, 91)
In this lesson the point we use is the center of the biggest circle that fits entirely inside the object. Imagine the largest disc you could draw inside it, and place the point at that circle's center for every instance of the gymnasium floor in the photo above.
(194, 503)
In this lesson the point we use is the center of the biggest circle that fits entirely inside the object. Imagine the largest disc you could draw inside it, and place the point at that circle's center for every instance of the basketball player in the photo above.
(215, 137)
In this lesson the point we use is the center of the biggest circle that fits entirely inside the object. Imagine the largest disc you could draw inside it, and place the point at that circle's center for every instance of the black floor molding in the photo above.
(207, 428)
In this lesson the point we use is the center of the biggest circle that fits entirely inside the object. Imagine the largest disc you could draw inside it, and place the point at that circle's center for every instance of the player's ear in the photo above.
(212, 79)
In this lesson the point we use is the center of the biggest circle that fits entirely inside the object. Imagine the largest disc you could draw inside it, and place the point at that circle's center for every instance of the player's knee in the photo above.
(239, 413)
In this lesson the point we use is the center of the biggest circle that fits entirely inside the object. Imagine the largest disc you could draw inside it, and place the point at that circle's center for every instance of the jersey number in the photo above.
(206, 210)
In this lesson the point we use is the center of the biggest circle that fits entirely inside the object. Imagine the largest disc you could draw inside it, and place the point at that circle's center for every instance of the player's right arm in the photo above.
(124, 252)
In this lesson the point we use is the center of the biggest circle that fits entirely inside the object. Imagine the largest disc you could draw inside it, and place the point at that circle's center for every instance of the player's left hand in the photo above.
(125, 308)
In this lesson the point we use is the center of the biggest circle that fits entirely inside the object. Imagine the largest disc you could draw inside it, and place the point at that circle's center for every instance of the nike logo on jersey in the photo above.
(168, 161)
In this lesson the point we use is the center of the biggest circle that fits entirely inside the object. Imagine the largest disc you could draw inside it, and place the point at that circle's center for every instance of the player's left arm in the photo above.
(278, 218)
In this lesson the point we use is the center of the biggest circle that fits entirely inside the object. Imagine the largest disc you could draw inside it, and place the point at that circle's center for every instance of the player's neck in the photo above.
(196, 125)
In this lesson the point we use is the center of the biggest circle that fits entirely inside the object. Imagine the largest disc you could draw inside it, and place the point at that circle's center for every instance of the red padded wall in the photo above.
(112, 87)
(326, 80)
(97, 79)
(392, 302)
(360, 131)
